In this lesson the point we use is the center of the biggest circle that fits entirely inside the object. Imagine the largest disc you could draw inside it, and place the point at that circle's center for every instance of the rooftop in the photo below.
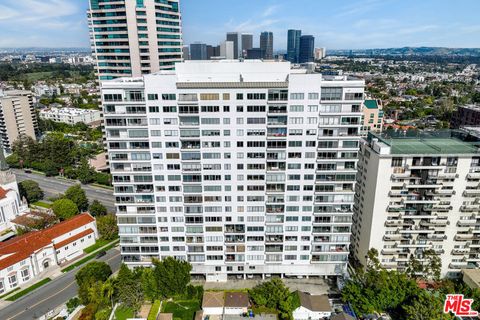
(314, 302)
(431, 142)
(213, 299)
(236, 300)
(371, 104)
(20, 248)
(471, 277)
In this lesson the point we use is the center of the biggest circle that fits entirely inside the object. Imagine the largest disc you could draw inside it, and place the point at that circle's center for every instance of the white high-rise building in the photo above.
(131, 38)
(241, 168)
(416, 194)
(227, 50)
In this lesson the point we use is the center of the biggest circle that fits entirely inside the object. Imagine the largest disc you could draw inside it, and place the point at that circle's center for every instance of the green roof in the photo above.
(431, 146)
(371, 104)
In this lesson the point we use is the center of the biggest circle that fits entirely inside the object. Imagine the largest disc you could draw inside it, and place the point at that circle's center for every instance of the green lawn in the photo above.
(88, 258)
(42, 204)
(9, 293)
(100, 243)
(181, 309)
(123, 313)
(154, 310)
(29, 289)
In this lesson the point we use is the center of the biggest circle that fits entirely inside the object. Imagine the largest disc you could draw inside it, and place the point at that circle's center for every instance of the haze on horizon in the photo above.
(356, 24)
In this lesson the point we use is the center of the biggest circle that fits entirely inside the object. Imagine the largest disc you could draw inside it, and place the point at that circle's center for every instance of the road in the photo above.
(53, 294)
(53, 186)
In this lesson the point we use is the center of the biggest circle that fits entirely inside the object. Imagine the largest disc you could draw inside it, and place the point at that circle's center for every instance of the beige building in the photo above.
(416, 194)
(131, 38)
(372, 119)
(17, 116)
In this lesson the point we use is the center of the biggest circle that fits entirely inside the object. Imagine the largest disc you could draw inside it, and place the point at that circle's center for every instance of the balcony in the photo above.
(463, 237)
(458, 252)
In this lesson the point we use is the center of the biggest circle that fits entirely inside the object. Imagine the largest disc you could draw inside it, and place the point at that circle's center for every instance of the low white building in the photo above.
(71, 115)
(11, 205)
(236, 303)
(312, 307)
(23, 258)
(213, 303)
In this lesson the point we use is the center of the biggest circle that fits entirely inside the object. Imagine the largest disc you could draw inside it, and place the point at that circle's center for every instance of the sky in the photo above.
(336, 24)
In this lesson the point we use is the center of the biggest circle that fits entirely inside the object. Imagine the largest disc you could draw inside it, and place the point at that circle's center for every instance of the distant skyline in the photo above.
(355, 24)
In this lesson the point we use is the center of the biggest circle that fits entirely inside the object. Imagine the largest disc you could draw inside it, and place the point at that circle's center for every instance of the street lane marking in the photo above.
(53, 295)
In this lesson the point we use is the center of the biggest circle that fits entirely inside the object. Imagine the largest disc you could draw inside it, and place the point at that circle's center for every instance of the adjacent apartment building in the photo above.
(419, 193)
(17, 117)
(241, 168)
(131, 38)
(71, 115)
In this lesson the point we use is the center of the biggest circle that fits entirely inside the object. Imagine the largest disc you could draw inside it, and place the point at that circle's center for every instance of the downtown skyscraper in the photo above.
(241, 168)
(131, 38)
(266, 44)
(293, 45)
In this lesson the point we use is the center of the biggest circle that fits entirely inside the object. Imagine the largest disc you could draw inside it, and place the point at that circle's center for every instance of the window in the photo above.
(12, 280)
(256, 108)
(313, 96)
(256, 96)
(2, 287)
(297, 96)
(169, 96)
(168, 109)
(209, 96)
(312, 108)
(239, 96)
(296, 108)
(331, 94)
(152, 96)
(296, 120)
(25, 275)
(354, 96)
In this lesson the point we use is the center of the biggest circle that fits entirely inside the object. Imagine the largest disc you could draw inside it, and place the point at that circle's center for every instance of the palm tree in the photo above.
(108, 289)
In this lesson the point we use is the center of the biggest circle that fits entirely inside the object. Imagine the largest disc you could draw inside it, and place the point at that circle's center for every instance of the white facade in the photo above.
(227, 50)
(302, 313)
(131, 38)
(238, 167)
(25, 257)
(11, 205)
(417, 194)
(71, 115)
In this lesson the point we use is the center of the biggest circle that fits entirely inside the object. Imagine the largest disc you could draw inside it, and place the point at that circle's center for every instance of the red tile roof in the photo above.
(3, 192)
(20, 248)
(71, 239)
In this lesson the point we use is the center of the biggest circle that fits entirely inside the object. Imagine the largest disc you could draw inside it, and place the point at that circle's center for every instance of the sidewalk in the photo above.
(53, 273)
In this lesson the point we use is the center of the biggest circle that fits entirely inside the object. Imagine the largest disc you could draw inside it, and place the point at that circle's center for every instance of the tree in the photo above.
(97, 209)
(378, 291)
(30, 190)
(89, 275)
(129, 287)
(172, 276)
(64, 208)
(275, 295)
(85, 172)
(107, 226)
(426, 306)
(78, 196)
(429, 268)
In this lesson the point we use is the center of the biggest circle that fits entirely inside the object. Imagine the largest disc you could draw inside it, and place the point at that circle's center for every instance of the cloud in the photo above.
(359, 8)
(270, 10)
(42, 12)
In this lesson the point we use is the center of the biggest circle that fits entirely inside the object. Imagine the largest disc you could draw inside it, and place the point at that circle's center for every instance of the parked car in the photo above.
(101, 254)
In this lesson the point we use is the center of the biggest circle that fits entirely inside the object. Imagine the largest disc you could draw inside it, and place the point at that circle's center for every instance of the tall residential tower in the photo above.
(417, 195)
(131, 38)
(241, 168)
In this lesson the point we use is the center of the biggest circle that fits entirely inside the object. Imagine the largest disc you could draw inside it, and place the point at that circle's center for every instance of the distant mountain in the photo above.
(410, 51)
